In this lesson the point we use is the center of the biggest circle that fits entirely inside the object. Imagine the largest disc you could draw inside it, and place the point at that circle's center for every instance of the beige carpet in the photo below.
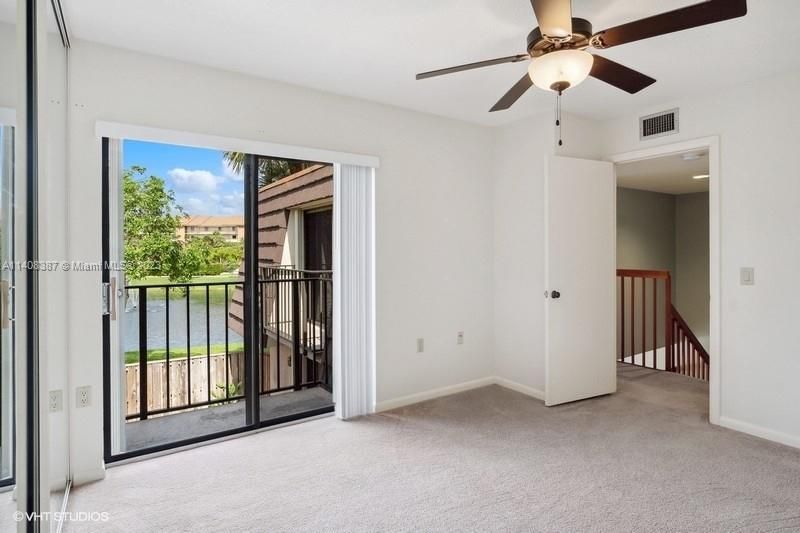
(486, 460)
(7, 508)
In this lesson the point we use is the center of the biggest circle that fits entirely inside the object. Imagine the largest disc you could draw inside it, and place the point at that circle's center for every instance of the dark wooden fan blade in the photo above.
(469, 66)
(693, 16)
(513, 94)
(620, 76)
(554, 17)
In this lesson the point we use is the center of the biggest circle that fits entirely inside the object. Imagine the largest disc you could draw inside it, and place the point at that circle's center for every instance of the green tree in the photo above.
(151, 219)
(269, 169)
(217, 256)
(222, 256)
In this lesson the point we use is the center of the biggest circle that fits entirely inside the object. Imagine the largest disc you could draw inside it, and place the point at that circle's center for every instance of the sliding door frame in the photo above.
(252, 343)
(251, 337)
(31, 463)
(8, 121)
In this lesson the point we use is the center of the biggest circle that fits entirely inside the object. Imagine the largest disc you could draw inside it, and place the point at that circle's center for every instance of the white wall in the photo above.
(645, 230)
(760, 199)
(520, 151)
(434, 217)
(691, 281)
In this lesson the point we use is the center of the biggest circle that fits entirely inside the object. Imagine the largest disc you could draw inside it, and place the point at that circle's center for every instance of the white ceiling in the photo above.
(670, 174)
(371, 49)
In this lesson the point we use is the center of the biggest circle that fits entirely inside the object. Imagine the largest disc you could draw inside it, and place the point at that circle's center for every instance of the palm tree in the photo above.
(269, 169)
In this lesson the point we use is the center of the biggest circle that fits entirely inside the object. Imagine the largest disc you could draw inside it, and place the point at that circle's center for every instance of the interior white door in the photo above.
(580, 269)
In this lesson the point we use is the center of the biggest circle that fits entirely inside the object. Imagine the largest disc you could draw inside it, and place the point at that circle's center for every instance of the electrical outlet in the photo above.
(420, 345)
(460, 337)
(83, 396)
(56, 401)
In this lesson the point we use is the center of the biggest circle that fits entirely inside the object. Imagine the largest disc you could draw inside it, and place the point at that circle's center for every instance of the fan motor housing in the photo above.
(539, 45)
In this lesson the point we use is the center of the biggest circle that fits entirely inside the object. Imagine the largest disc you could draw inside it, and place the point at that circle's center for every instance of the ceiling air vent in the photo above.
(658, 125)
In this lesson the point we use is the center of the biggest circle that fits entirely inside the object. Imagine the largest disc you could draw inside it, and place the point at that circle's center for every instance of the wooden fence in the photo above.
(179, 379)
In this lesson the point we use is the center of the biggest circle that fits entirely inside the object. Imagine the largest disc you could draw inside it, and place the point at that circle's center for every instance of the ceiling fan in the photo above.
(557, 48)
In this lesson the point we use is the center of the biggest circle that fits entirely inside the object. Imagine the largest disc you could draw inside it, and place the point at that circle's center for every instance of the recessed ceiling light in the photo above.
(692, 156)
(700, 177)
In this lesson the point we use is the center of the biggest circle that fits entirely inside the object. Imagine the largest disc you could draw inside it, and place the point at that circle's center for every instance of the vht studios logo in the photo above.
(67, 516)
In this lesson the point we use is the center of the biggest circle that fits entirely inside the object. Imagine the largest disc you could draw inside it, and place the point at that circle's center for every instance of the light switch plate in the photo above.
(747, 276)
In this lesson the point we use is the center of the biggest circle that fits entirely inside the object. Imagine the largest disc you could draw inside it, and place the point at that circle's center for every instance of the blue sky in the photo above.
(202, 182)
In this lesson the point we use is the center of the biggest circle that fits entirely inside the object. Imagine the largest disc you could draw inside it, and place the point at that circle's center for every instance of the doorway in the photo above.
(318, 239)
(213, 323)
(668, 259)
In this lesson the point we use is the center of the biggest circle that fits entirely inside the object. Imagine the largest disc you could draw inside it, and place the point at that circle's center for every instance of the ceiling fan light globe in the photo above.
(560, 69)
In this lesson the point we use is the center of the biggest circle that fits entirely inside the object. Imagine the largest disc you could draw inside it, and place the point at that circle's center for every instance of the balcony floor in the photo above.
(205, 421)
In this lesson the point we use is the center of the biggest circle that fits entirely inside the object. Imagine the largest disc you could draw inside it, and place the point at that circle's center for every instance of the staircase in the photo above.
(651, 331)
(688, 356)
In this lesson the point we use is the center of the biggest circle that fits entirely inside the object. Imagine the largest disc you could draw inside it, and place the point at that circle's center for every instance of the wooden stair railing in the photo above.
(689, 357)
(652, 334)
(643, 323)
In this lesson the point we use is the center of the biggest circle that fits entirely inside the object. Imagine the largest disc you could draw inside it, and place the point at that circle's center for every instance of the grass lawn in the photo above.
(216, 293)
(180, 353)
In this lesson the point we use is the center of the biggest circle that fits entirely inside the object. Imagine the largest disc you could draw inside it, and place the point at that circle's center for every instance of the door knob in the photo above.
(555, 295)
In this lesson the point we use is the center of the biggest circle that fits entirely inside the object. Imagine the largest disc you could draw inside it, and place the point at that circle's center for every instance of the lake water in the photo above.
(157, 324)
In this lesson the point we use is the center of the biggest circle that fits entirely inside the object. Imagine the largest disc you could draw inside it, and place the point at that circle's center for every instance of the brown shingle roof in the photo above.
(296, 175)
(213, 220)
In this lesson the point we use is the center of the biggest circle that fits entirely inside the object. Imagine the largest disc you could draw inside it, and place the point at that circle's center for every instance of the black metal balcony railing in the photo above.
(295, 320)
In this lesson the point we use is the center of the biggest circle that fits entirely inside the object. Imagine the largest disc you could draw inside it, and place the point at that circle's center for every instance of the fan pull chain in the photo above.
(558, 119)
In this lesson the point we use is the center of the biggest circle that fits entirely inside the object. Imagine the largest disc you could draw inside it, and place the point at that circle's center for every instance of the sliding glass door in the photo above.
(294, 285)
(175, 357)
(213, 324)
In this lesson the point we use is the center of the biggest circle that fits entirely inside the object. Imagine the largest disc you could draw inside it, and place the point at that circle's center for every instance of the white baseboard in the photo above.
(433, 393)
(411, 399)
(519, 387)
(758, 431)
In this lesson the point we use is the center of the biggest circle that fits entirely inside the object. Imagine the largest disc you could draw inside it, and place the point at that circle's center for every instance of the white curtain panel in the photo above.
(354, 291)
